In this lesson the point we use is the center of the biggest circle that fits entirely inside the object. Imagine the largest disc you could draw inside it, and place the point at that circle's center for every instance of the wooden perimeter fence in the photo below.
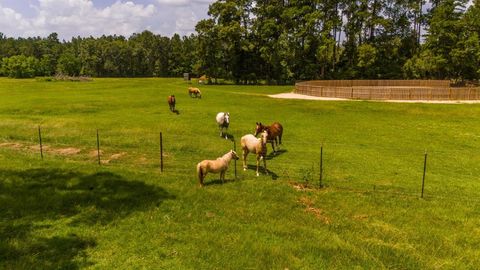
(387, 90)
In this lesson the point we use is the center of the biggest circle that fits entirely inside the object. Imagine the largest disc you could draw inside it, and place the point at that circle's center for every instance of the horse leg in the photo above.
(226, 133)
(244, 154)
(222, 176)
(273, 147)
(258, 163)
(201, 176)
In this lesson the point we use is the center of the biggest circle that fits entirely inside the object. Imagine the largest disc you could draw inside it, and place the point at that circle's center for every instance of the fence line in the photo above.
(387, 90)
(299, 172)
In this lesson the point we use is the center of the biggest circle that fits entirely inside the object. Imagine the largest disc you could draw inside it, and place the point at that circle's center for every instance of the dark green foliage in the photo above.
(280, 42)
(20, 66)
(141, 55)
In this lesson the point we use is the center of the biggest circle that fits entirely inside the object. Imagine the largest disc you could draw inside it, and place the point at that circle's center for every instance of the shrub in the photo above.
(20, 66)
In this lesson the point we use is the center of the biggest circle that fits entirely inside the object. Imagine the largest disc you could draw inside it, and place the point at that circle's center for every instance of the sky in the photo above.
(71, 18)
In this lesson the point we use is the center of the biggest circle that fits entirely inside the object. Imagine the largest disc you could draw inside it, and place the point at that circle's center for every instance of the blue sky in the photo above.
(22, 18)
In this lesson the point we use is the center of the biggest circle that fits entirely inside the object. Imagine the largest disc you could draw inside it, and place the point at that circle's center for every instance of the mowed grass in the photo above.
(68, 212)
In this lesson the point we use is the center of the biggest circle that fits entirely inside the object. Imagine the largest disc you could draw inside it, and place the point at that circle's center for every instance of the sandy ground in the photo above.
(298, 96)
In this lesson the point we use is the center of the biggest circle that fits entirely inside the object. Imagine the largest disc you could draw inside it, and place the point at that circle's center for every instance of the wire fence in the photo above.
(439, 172)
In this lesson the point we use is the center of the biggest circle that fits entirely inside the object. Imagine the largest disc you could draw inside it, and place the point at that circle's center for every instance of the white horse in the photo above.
(220, 165)
(223, 121)
(252, 144)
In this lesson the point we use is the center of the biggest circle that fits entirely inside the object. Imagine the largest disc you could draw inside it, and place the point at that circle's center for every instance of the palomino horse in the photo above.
(275, 132)
(171, 103)
(252, 144)
(223, 121)
(220, 165)
(194, 92)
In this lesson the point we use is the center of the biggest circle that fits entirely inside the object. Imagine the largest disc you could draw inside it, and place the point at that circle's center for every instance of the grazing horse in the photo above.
(194, 92)
(275, 132)
(171, 103)
(223, 121)
(252, 144)
(220, 165)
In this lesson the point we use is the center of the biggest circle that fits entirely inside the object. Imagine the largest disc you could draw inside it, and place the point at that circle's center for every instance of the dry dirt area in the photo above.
(299, 96)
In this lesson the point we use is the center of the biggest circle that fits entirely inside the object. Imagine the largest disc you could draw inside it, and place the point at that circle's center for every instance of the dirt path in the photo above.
(298, 96)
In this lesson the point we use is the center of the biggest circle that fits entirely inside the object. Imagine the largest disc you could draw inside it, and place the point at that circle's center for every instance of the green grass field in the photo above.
(68, 212)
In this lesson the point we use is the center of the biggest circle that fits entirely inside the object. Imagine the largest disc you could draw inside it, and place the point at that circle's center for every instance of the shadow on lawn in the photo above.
(219, 182)
(30, 197)
(279, 152)
(261, 170)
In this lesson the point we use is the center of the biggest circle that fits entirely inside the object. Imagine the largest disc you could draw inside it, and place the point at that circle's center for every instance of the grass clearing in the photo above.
(68, 212)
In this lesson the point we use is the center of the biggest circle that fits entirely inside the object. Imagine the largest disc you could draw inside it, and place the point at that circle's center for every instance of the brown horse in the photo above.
(171, 103)
(194, 92)
(275, 132)
(220, 165)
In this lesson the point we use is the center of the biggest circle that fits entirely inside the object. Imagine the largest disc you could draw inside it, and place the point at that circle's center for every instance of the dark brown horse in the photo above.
(274, 131)
(171, 103)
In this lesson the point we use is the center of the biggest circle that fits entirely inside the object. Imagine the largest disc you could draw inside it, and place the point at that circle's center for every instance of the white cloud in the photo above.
(10, 20)
(70, 18)
(183, 2)
(80, 17)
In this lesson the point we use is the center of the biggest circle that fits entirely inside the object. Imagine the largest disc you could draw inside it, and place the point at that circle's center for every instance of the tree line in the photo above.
(277, 42)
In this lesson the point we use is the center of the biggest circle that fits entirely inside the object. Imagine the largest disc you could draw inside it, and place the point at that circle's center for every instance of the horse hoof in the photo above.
(258, 174)
(244, 169)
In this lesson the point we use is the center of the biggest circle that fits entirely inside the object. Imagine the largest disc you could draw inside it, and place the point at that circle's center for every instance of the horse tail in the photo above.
(200, 174)
(279, 128)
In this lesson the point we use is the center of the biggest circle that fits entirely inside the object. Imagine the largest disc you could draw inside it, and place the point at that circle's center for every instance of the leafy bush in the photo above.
(20, 66)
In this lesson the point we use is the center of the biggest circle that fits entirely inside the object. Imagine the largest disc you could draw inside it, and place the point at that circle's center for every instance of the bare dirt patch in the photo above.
(142, 160)
(114, 157)
(317, 212)
(94, 153)
(11, 145)
(301, 187)
(306, 97)
(70, 151)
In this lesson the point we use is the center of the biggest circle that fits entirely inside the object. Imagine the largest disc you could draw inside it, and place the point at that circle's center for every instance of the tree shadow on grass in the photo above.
(32, 197)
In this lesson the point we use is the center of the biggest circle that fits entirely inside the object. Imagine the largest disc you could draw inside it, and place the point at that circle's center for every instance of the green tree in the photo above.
(69, 64)
(20, 66)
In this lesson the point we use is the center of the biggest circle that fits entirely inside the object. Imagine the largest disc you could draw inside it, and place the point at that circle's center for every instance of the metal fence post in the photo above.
(424, 172)
(40, 141)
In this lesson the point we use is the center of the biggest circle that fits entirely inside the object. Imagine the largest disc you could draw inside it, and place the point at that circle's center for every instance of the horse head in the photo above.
(226, 118)
(264, 136)
(234, 155)
(259, 128)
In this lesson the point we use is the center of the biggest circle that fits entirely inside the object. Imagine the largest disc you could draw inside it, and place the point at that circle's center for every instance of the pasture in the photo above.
(68, 212)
